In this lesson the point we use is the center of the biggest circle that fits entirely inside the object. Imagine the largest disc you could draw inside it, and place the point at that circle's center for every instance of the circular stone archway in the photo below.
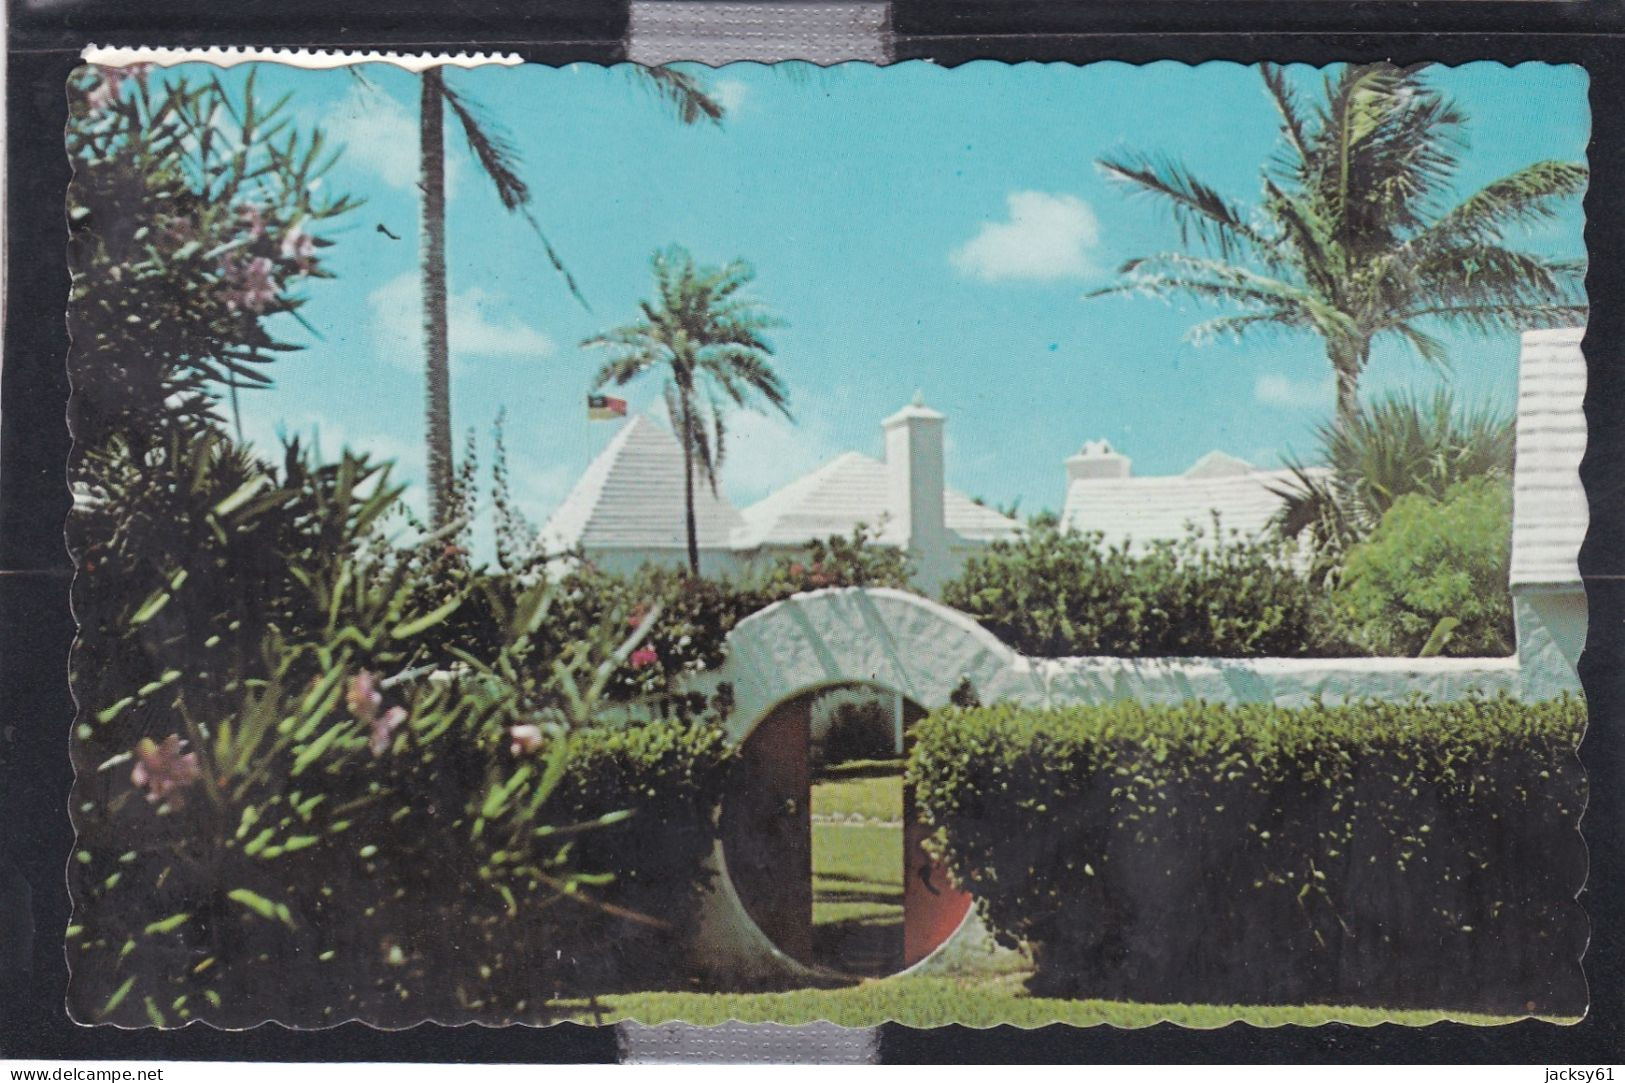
(778, 660)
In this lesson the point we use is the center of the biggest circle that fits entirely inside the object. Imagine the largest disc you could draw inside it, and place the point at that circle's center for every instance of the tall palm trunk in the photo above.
(1347, 364)
(688, 488)
(437, 360)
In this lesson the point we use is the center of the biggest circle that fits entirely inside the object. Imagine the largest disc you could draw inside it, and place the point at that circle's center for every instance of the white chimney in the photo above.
(914, 473)
(1097, 460)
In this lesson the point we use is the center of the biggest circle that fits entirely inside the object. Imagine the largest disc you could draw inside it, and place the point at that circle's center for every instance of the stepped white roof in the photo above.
(848, 490)
(631, 497)
(1550, 515)
(1141, 510)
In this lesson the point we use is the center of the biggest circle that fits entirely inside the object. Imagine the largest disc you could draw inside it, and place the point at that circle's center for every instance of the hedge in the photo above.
(1394, 855)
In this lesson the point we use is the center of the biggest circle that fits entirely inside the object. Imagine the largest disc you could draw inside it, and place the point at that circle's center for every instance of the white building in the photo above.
(1549, 511)
(627, 508)
(1104, 496)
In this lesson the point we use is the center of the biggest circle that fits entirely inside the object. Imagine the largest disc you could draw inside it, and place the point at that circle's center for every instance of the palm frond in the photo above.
(686, 94)
(1198, 209)
(492, 148)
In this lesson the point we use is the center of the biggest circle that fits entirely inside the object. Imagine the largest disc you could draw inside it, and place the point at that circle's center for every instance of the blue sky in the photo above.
(918, 228)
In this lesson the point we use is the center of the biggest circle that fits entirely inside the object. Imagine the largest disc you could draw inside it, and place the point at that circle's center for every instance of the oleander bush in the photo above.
(1384, 854)
(1056, 593)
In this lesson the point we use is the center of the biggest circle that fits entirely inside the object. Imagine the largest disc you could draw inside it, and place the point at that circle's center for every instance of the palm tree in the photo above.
(1355, 238)
(1394, 447)
(707, 340)
(499, 160)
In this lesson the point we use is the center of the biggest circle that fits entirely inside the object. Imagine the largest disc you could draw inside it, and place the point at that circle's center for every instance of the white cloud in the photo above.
(479, 326)
(1048, 236)
(730, 94)
(381, 135)
(1273, 389)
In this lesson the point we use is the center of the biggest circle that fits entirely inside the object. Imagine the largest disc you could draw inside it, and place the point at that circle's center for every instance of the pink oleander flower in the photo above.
(299, 248)
(383, 729)
(366, 702)
(644, 656)
(163, 770)
(251, 218)
(525, 739)
(252, 286)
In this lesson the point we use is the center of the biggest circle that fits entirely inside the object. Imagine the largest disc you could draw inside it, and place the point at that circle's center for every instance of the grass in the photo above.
(858, 897)
(858, 868)
(935, 1001)
(865, 789)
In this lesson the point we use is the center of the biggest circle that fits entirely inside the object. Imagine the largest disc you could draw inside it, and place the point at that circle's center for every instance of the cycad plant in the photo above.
(1357, 236)
(499, 161)
(707, 339)
(1398, 445)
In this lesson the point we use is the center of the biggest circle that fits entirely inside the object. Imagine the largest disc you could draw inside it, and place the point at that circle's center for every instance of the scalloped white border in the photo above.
(118, 56)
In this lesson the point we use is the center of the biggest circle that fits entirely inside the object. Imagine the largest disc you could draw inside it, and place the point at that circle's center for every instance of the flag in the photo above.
(604, 408)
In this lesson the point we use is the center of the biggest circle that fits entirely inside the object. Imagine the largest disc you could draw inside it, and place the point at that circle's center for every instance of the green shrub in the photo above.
(1056, 593)
(1385, 854)
(1435, 560)
(638, 931)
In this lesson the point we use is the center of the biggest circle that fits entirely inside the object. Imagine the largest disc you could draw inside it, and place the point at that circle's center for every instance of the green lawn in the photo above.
(928, 1002)
(870, 789)
(858, 869)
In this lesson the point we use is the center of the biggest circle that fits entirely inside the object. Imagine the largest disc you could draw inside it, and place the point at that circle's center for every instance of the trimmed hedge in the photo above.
(1385, 854)
(672, 776)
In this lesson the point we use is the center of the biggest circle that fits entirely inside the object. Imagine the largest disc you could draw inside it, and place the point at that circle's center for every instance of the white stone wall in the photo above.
(906, 644)
(1551, 634)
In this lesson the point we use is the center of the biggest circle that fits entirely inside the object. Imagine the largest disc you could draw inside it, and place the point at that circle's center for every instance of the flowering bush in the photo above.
(193, 214)
(392, 843)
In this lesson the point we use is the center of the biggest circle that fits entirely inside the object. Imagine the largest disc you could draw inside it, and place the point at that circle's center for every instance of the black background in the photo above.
(36, 626)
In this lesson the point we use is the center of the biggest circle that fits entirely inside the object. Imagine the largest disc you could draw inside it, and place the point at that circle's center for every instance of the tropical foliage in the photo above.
(1397, 446)
(1056, 592)
(1388, 854)
(1358, 236)
(193, 215)
(500, 162)
(707, 340)
(299, 795)
(1432, 577)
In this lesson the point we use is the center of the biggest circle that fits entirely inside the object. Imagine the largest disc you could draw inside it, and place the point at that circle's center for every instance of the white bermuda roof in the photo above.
(1147, 509)
(848, 490)
(1549, 516)
(631, 497)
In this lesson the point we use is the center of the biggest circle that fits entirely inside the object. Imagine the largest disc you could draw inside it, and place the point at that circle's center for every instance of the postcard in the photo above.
(1008, 544)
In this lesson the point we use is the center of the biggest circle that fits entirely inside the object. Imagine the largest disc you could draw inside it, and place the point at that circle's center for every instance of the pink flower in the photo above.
(164, 770)
(365, 702)
(797, 570)
(383, 729)
(363, 697)
(251, 217)
(526, 739)
(253, 288)
(644, 656)
(299, 248)
(636, 619)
